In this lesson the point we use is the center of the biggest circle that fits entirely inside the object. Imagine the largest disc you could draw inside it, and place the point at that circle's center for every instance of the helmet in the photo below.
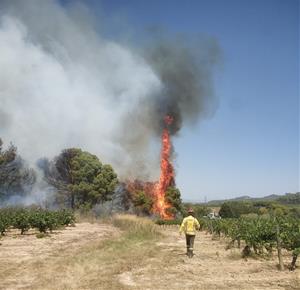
(190, 210)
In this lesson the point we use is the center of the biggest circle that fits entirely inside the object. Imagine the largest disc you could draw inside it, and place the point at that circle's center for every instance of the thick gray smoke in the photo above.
(64, 85)
(185, 70)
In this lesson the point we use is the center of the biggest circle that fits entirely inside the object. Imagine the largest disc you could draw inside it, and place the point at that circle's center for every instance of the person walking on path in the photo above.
(189, 226)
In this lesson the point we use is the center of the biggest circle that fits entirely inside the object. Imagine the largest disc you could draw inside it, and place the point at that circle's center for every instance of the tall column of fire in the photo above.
(166, 174)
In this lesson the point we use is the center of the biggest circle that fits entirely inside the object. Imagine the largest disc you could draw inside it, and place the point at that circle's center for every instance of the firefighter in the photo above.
(189, 226)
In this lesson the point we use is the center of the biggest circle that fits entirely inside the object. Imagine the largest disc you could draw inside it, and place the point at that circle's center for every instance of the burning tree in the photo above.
(161, 197)
(167, 175)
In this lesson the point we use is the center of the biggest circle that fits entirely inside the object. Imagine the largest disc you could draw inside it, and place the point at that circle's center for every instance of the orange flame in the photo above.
(166, 174)
(138, 185)
(157, 190)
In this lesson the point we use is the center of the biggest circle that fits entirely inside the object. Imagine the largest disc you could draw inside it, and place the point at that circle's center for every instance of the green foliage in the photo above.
(142, 202)
(290, 234)
(236, 209)
(6, 220)
(37, 220)
(295, 213)
(41, 219)
(172, 196)
(105, 182)
(81, 178)
(21, 220)
(278, 210)
(226, 211)
(199, 210)
(258, 233)
(65, 217)
(290, 198)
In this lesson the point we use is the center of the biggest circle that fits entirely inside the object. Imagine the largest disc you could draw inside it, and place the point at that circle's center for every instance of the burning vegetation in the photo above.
(160, 86)
(166, 179)
(160, 197)
(77, 179)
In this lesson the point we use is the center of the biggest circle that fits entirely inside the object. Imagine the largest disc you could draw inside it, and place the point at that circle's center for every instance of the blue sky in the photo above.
(251, 145)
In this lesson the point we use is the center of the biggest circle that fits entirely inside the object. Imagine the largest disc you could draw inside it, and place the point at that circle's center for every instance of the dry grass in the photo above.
(85, 217)
(98, 263)
(136, 227)
(127, 252)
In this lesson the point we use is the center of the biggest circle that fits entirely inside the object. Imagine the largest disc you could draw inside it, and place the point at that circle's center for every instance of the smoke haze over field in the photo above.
(64, 85)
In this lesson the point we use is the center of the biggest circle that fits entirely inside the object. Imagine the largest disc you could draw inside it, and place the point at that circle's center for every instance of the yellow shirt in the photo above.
(189, 225)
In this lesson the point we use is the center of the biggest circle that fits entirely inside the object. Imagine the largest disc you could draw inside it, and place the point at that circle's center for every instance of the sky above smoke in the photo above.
(63, 84)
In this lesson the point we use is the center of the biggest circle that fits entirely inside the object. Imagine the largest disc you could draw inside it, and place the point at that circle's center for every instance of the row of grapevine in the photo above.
(36, 218)
(259, 235)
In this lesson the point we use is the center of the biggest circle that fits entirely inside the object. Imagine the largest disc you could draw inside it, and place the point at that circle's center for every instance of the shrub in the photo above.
(142, 202)
(136, 227)
(41, 219)
(21, 220)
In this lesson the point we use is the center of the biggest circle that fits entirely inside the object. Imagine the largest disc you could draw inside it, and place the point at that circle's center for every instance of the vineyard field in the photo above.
(114, 255)
(34, 218)
(258, 235)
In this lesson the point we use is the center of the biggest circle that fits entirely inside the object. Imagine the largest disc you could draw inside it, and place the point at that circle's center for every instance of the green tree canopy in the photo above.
(226, 211)
(173, 197)
(290, 198)
(81, 177)
(234, 209)
(142, 202)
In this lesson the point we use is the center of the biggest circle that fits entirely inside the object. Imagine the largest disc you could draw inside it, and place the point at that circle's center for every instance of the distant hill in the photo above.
(288, 198)
(244, 197)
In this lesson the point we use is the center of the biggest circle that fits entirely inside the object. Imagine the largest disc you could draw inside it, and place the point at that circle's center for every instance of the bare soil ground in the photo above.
(212, 267)
(26, 259)
(97, 256)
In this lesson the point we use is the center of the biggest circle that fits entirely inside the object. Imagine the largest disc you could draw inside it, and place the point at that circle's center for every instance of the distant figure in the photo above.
(189, 226)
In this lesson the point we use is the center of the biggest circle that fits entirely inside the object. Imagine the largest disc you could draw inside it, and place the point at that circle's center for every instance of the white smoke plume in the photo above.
(64, 85)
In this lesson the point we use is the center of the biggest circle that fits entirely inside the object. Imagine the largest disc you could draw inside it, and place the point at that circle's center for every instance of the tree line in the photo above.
(236, 209)
(78, 179)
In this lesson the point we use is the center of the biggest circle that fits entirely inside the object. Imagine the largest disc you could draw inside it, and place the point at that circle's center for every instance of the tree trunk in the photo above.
(270, 250)
(293, 264)
(246, 252)
(278, 240)
(72, 200)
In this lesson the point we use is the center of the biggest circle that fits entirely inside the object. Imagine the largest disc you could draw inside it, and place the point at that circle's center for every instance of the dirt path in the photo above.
(76, 258)
(211, 268)
(24, 258)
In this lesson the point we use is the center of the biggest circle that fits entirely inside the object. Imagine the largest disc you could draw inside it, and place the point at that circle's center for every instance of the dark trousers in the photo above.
(190, 242)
